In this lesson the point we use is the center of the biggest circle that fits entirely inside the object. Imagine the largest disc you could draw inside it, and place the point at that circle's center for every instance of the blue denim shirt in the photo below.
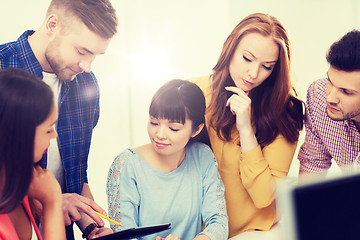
(78, 110)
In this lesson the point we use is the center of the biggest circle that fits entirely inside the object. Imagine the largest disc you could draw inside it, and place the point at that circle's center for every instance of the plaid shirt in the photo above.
(325, 138)
(78, 110)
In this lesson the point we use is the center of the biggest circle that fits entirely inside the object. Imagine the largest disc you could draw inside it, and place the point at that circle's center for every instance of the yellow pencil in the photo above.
(109, 219)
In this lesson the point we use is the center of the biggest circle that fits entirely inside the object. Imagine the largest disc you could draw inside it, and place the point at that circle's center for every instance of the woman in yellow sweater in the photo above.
(253, 119)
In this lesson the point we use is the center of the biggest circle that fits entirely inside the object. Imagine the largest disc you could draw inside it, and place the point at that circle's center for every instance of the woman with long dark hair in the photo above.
(27, 117)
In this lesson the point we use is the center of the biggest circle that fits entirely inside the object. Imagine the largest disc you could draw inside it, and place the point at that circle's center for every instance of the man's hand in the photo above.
(73, 204)
(99, 232)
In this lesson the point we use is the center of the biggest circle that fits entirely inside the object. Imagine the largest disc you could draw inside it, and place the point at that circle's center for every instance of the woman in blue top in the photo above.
(173, 179)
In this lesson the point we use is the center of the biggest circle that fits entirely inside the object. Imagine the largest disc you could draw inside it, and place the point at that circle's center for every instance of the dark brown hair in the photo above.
(344, 54)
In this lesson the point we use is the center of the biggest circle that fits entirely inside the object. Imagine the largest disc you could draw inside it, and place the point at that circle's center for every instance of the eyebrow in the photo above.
(256, 57)
(54, 122)
(170, 121)
(87, 50)
(327, 74)
(90, 52)
(350, 90)
(175, 121)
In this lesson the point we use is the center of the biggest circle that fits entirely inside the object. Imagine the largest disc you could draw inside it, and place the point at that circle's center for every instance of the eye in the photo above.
(247, 59)
(50, 131)
(80, 52)
(268, 68)
(153, 123)
(346, 92)
(328, 80)
(174, 129)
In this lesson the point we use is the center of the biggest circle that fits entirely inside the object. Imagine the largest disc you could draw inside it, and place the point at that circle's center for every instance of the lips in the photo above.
(161, 145)
(332, 109)
(247, 82)
(74, 72)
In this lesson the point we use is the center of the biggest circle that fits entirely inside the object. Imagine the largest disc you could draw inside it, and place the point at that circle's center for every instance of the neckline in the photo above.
(161, 172)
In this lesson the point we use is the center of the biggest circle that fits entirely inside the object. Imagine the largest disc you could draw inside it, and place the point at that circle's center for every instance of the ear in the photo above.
(52, 24)
(196, 132)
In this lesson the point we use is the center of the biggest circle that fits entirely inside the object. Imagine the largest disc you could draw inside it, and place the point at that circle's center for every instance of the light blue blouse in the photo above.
(140, 195)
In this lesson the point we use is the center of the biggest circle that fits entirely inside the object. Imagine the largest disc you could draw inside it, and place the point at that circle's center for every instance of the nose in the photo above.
(161, 132)
(85, 64)
(54, 134)
(253, 70)
(332, 95)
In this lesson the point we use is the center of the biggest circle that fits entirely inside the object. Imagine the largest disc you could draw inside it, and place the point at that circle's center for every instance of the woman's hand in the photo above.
(44, 187)
(202, 237)
(46, 192)
(240, 105)
(169, 237)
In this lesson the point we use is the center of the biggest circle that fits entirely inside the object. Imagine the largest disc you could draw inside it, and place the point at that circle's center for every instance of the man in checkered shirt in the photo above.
(333, 111)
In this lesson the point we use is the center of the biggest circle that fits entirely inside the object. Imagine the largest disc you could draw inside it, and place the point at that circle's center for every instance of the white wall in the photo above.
(163, 39)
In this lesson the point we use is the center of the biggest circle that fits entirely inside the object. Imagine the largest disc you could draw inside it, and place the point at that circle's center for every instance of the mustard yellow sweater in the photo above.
(250, 177)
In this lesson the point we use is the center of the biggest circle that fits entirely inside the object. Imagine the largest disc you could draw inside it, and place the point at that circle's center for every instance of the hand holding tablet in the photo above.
(136, 232)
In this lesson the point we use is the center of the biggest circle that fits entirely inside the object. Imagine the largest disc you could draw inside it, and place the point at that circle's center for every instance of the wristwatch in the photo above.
(89, 229)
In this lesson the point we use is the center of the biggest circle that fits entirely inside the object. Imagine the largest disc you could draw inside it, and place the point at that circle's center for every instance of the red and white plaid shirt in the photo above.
(325, 138)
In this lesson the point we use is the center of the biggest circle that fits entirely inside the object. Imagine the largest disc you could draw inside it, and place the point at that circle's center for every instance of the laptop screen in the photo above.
(327, 209)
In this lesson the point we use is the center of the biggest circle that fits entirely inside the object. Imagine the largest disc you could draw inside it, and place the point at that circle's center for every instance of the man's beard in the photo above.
(59, 68)
(346, 116)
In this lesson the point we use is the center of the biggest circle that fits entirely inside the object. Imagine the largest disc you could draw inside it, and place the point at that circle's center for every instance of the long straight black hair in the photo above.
(25, 102)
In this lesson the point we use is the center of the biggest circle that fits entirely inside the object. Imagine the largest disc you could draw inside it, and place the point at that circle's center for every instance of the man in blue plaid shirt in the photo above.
(61, 52)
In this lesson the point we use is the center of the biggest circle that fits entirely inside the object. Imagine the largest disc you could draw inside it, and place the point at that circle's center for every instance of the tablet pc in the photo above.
(136, 232)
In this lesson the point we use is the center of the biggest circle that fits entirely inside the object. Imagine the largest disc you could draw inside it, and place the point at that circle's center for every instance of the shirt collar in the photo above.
(28, 57)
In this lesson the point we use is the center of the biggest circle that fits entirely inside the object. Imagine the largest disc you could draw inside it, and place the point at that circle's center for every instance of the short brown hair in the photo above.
(98, 15)
(344, 54)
